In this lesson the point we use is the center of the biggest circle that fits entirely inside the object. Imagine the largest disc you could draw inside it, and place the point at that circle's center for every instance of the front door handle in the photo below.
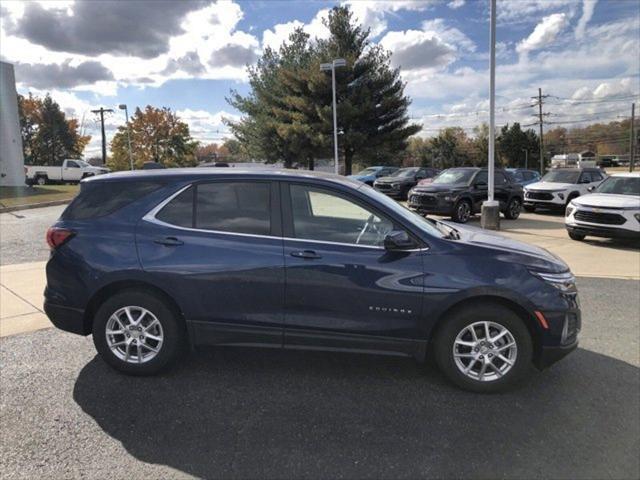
(308, 254)
(169, 241)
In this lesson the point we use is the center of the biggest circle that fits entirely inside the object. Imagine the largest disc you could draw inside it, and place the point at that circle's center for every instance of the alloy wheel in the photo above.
(485, 351)
(464, 212)
(514, 210)
(134, 334)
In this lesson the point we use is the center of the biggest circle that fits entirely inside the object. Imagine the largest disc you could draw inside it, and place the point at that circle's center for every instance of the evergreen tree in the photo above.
(288, 115)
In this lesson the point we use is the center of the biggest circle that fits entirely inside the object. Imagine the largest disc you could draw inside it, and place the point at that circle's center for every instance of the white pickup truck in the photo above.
(71, 171)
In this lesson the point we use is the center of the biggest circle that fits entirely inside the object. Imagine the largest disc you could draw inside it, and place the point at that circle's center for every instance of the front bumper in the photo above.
(66, 318)
(604, 232)
(430, 203)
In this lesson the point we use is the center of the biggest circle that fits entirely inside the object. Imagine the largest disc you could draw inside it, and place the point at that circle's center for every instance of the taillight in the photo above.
(58, 236)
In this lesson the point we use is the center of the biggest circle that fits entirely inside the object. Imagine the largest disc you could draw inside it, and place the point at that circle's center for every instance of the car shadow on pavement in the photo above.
(247, 413)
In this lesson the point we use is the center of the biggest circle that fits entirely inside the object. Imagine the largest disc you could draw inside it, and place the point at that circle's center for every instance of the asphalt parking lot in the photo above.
(250, 413)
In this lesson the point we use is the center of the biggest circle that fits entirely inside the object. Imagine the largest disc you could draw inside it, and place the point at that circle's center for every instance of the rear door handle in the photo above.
(169, 242)
(308, 254)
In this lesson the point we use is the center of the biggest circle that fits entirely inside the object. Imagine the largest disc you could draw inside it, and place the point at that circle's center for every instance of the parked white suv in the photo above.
(70, 171)
(561, 185)
(611, 211)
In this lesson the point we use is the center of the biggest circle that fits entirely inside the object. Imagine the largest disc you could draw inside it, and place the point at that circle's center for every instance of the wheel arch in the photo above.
(107, 291)
(525, 315)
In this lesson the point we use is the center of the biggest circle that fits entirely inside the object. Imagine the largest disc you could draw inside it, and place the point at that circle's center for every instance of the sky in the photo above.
(188, 56)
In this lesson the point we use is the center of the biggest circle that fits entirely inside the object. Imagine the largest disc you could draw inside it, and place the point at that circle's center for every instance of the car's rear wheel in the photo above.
(485, 349)
(41, 180)
(513, 209)
(576, 236)
(137, 333)
(462, 211)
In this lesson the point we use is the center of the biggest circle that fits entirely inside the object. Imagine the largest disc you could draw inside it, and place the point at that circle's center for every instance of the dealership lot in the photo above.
(239, 413)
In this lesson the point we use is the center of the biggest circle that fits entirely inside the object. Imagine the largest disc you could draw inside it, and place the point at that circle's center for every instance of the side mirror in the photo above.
(591, 188)
(398, 240)
(480, 185)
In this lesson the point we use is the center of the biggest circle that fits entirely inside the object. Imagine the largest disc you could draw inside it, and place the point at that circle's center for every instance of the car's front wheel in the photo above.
(485, 349)
(513, 209)
(137, 333)
(577, 236)
(462, 211)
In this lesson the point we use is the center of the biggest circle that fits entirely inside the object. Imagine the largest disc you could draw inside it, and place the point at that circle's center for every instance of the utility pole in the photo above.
(540, 97)
(526, 158)
(102, 111)
(632, 140)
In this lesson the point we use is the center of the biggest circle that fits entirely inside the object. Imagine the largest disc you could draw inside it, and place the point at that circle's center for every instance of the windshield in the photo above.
(620, 186)
(368, 171)
(516, 174)
(562, 176)
(404, 172)
(454, 176)
(82, 163)
(416, 219)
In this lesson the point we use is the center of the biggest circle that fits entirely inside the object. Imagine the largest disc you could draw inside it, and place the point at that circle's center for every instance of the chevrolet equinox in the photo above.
(155, 261)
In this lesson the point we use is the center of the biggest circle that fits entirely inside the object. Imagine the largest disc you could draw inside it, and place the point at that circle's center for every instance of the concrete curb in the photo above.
(30, 206)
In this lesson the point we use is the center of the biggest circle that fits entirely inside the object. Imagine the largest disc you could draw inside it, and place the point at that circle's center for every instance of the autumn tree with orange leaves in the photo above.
(48, 137)
(157, 135)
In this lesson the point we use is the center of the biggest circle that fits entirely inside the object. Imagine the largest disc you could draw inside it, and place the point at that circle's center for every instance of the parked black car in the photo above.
(149, 262)
(459, 193)
(398, 184)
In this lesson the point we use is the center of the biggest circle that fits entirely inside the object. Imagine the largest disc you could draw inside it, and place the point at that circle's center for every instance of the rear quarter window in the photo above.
(98, 199)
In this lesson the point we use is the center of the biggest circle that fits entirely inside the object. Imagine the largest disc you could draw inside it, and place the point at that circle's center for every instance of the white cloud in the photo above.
(521, 11)
(544, 34)
(434, 47)
(372, 13)
(207, 127)
(454, 4)
(588, 7)
(280, 33)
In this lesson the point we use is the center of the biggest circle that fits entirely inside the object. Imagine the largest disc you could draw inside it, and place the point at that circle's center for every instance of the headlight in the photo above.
(565, 282)
(637, 215)
(569, 210)
(561, 195)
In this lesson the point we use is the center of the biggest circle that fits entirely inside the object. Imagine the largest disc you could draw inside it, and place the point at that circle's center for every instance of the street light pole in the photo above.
(338, 62)
(126, 115)
(491, 209)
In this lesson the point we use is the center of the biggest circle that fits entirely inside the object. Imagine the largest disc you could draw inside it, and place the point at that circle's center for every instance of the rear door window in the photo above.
(179, 211)
(236, 207)
(97, 199)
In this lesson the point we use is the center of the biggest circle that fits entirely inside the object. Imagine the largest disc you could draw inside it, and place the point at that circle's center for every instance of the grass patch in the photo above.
(13, 196)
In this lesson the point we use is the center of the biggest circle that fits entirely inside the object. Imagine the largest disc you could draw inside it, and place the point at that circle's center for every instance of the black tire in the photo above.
(41, 180)
(576, 236)
(173, 332)
(514, 207)
(462, 211)
(443, 345)
(529, 208)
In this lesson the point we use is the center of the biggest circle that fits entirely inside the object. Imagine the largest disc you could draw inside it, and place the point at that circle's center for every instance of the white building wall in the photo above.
(11, 159)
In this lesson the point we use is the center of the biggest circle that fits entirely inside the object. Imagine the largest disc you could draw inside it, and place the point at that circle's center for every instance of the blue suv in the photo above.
(151, 262)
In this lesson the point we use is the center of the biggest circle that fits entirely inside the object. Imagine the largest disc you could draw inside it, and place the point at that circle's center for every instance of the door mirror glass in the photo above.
(398, 240)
